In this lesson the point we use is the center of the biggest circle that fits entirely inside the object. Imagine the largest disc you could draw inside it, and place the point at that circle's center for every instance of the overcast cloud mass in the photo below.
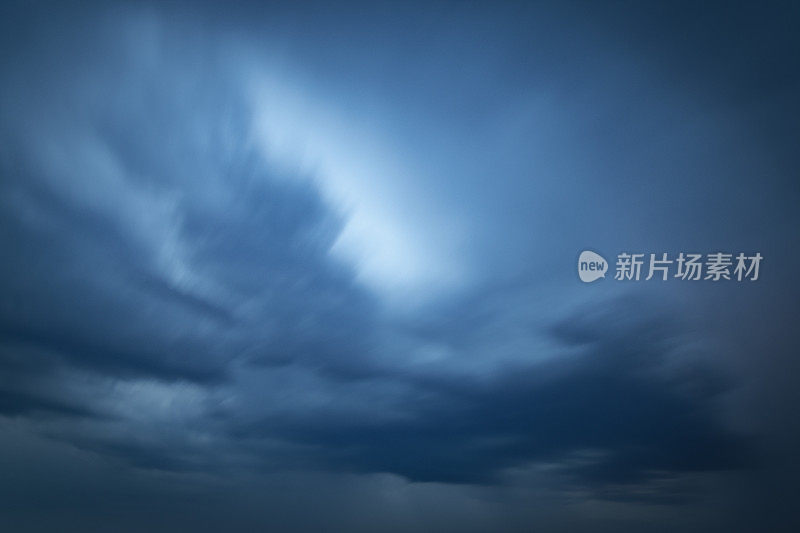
(311, 267)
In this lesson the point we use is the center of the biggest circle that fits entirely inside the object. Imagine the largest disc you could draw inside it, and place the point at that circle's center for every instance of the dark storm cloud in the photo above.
(92, 271)
(173, 313)
(200, 258)
(624, 402)
(145, 239)
(15, 404)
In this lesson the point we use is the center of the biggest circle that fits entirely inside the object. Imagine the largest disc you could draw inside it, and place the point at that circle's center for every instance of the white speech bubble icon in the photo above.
(591, 266)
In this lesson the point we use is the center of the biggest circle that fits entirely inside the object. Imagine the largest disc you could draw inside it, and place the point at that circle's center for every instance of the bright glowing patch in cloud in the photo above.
(386, 237)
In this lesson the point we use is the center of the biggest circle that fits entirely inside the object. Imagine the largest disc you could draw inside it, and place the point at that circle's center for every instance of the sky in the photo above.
(302, 266)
